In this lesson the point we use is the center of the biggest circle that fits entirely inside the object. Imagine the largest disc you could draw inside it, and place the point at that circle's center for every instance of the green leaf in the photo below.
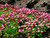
(0, 24)
(31, 15)
(27, 15)
(33, 37)
(38, 35)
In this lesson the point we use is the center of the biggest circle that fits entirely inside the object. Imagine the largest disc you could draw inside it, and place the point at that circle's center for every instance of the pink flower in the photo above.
(29, 12)
(48, 26)
(33, 29)
(41, 31)
(17, 16)
(38, 21)
(13, 27)
(26, 28)
(29, 37)
(1, 18)
(48, 23)
(41, 24)
(41, 13)
(38, 28)
(9, 25)
(24, 25)
(31, 25)
(19, 27)
(11, 8)
(41, 19)
(23, 30)
(21, 21)
(36, 13)
(41, 27)
(15, 7)
(35, 25)
(36, 31)
(2, 25)
(13, 23)
(3, 28)
(45, 19)
(28, 25)
(17, 11)
(33, 14)
(0, 30)
(28, 33)
(19, 30)
(4, 10)
(6, 18)
(29, 28)
(8, 22)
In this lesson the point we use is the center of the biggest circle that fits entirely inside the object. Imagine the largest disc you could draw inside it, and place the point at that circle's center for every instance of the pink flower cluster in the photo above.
(33, 20)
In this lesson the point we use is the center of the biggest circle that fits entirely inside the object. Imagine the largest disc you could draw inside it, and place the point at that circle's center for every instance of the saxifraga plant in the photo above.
(26, 21)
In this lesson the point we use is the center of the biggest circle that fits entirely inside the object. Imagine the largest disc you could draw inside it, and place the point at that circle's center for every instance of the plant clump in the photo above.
(26, 21)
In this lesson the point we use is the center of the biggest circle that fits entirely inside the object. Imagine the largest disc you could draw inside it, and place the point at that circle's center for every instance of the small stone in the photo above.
(45, 37)
(49, 36)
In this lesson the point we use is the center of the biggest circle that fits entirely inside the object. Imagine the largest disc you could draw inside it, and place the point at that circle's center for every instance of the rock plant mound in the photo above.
(26, 21)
